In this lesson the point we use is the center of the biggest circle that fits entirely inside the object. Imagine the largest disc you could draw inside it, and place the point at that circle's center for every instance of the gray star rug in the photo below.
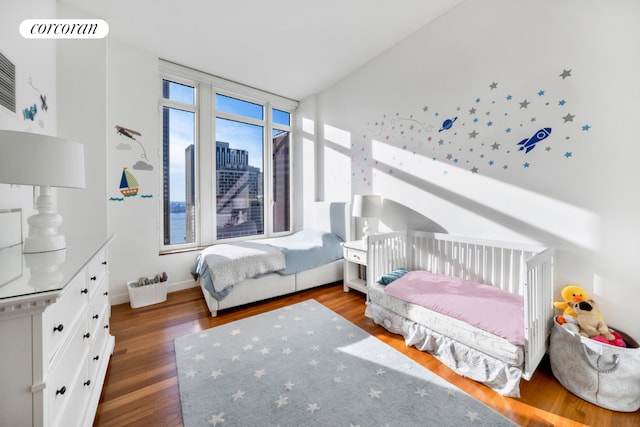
(305, 365)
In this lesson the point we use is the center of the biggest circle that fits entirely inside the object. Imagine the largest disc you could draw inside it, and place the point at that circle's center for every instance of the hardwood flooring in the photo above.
(141, 388)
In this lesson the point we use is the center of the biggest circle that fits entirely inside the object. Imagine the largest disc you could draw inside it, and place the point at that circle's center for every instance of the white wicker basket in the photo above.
(153, 293)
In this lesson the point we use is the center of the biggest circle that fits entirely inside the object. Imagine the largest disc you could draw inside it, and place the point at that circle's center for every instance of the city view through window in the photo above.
(239, 168)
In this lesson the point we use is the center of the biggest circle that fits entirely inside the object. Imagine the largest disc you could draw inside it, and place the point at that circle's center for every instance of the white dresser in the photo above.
(55, 342)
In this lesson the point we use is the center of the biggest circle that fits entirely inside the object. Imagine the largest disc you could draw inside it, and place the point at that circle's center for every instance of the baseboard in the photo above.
(173, 287)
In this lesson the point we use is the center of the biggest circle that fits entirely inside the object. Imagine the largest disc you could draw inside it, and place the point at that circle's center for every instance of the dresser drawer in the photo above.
(355, 255)
(74, 412)
(97, 269)
(99, 342)
(58, 319)
(66, 369)
(99, 301)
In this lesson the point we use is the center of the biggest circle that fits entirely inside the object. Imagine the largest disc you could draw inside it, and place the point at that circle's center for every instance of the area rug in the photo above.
(305, 365)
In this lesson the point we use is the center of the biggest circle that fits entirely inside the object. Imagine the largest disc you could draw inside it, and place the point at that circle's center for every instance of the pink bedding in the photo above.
(483, 306)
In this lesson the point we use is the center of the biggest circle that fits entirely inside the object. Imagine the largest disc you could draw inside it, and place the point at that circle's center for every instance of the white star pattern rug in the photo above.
(304, 365)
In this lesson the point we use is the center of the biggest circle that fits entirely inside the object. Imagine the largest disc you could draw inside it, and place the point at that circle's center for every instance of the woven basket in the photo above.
(153, 293)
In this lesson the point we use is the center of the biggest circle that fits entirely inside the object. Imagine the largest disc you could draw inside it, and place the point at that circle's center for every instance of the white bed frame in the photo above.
(526, 270)
(328, 216)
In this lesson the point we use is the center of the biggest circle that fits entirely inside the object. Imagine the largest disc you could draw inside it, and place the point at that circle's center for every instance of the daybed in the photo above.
(450, 282)
(234, 274)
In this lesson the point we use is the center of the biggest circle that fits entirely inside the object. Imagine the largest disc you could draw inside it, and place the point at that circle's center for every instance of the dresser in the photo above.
(55, 342)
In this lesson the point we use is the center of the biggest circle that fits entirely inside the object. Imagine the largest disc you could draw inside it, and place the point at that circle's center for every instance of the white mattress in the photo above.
(457, 330)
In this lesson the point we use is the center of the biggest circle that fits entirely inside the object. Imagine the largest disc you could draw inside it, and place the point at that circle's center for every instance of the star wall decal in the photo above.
(506, 123)
(565, 74)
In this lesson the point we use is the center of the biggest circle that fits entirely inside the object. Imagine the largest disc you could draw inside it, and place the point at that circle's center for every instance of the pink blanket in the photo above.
(485, 307)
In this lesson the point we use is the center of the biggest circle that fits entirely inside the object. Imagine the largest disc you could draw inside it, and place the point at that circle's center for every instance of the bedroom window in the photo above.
(178, 162)
(227, 170)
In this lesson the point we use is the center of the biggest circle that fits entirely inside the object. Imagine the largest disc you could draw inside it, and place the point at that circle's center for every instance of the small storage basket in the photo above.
(603, 374)
(153, 293)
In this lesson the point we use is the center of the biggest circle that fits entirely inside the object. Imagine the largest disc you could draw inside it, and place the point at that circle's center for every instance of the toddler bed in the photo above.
(483, 308)
(233, 274)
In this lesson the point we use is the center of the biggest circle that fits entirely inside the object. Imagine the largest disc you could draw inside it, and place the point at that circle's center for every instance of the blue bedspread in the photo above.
(303, 250)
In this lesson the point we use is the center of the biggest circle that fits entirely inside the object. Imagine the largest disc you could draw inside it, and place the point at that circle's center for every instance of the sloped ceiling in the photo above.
(293, 48)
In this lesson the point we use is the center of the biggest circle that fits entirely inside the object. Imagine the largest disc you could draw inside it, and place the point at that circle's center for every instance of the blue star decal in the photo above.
(526, 164)
(509, 97)
(489, 123)
(540, 93)
(508, 130)
(568, 154)
(562, 102)
(586, 128)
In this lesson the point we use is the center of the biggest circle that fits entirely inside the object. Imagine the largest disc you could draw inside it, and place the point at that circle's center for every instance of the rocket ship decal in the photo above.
(530, 143)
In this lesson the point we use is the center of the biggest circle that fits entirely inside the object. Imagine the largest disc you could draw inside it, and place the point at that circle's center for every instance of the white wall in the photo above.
(82, 104)
(579, 191)
(134, 95)
(35, 62)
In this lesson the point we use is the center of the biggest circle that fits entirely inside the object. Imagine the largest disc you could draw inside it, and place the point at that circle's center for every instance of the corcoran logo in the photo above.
(64, 28)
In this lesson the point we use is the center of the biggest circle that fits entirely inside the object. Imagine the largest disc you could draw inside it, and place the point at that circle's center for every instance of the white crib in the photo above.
(526, 270)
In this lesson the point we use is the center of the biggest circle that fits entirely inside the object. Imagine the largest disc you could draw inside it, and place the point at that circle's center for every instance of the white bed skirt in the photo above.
(465, 361)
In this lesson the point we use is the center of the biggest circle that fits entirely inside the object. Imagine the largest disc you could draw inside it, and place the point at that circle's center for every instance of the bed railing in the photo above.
(522, 269)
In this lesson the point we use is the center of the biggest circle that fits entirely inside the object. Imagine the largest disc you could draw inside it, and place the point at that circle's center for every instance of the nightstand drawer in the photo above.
(355, 255)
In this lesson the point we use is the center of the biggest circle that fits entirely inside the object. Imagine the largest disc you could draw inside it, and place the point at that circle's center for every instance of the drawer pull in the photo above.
(94, 278)
(62, 390)
(96, 358)
(104, 262)
(84, 291)
(58, 328)
(87, 335)
(95, 316)
(106, 326)
(87, 383)
(105, 294)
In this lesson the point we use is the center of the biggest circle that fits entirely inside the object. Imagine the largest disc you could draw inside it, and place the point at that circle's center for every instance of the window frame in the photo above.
(206, 87)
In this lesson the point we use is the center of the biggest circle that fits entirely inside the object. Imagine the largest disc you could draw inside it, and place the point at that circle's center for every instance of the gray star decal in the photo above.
(524, 104)
(568, 118)
(565, 74)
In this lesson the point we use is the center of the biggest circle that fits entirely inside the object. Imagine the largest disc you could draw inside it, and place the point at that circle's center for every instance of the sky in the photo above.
(239, 135)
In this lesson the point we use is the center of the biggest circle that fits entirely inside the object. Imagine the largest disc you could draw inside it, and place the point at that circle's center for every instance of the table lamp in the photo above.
(366, 206)
(46, 161)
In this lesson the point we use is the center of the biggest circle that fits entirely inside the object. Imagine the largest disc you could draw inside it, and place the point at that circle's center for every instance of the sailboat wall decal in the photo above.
(128, 184)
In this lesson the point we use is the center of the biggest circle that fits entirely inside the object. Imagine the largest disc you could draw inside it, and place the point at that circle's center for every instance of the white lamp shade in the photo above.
(366, 206)
(34, 159)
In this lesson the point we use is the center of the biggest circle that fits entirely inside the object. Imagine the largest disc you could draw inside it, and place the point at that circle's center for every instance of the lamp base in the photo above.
(43, 226)
(38, 244)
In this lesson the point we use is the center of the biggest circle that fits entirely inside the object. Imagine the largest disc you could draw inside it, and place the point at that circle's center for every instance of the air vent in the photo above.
(7, 83)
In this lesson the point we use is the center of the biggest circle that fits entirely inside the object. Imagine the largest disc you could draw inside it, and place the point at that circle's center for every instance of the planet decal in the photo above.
(447, 124)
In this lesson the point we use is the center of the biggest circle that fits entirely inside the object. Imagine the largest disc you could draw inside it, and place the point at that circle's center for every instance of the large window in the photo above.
(226, 160)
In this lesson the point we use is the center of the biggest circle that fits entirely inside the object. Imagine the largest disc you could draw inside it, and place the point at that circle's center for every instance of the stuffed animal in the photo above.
(590, 320)
(571, 293)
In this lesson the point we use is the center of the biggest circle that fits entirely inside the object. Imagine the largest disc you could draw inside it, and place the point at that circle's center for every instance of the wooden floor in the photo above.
(141, 388)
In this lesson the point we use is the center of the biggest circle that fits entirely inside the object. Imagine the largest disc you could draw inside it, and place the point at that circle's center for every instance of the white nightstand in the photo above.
(355, 265)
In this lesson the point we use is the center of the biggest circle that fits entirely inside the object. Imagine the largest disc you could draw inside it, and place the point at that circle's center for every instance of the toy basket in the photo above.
(147, 292)
(599, 373)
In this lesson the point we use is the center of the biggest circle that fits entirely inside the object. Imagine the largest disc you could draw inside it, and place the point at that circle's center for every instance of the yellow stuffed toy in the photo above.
(571, 293)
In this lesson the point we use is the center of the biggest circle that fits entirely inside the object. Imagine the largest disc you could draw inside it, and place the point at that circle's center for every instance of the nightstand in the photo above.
(355, 265)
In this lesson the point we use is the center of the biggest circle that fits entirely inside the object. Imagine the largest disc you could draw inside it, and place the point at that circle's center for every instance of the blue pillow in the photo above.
(385, 279)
